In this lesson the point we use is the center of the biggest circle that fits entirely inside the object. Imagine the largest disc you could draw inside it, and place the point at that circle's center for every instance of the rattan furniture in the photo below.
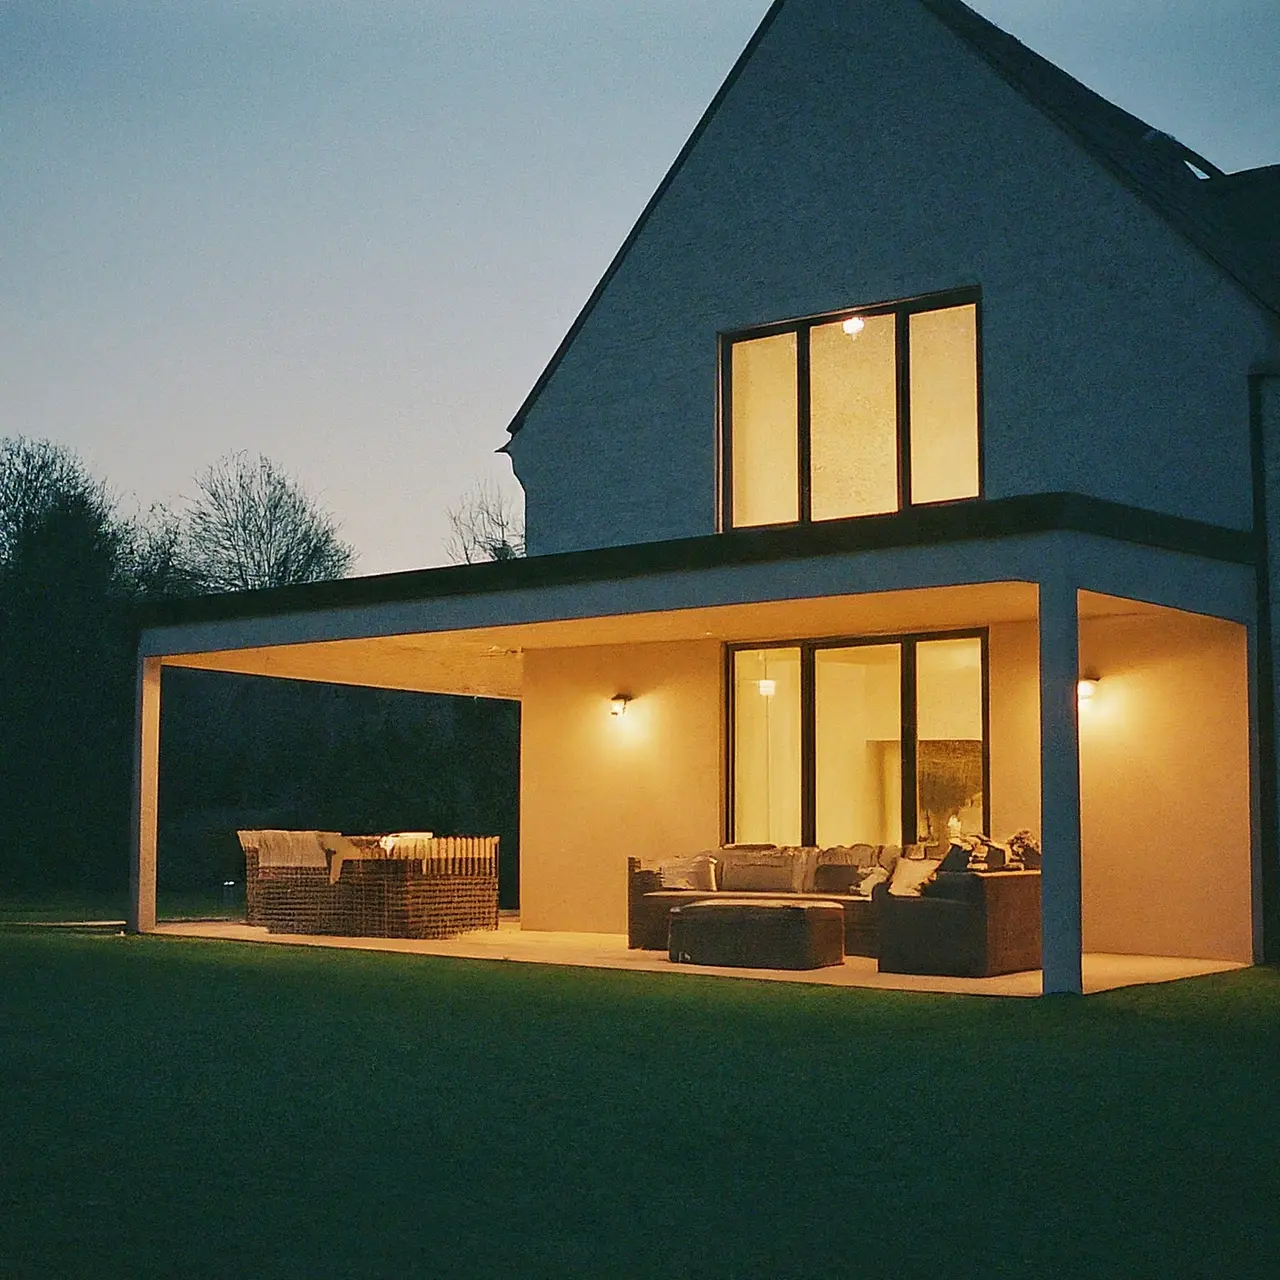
(399, 886)
(649, 907)
(967, 925)
(757, 933)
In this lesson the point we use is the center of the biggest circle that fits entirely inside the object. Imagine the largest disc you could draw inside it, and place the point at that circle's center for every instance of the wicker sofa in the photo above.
(758, 872)
(407, 885)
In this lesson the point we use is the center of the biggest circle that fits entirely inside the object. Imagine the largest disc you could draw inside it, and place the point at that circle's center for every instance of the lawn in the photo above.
(184, 1108)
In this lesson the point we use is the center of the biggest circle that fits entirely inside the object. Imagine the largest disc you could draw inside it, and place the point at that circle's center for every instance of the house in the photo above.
(930, 393)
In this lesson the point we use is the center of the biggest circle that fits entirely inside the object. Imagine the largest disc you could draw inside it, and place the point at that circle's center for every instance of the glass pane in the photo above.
(766, 746)
(853, 418)
(764, 426)
(858, 708)
(944, 404)
(949, 739)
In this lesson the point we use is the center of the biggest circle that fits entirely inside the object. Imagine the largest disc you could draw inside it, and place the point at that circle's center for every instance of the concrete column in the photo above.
(1060, 785)
(146, 777)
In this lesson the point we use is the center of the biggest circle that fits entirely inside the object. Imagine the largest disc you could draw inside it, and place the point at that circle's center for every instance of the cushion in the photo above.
(910, 874)
(757, 870)
(847, 855)
(872, 877)
(834, 878)
(698, 872)
(957, 859)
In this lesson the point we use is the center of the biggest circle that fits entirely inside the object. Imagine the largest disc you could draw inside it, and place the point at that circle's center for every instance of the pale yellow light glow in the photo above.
(949, 751)
(766, 746)
(858, 744)
(854, 325)
(853, 419)
(1086, 689)
(764, 426)
(944, 404)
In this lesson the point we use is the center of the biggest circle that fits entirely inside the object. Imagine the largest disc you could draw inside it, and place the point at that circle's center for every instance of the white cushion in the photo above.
(911, 875)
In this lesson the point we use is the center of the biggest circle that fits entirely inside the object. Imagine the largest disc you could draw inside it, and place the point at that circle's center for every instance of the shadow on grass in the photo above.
(176, 1106)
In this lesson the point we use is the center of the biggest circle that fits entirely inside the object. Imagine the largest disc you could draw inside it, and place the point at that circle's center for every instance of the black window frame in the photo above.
(902, 310)
(907, 641)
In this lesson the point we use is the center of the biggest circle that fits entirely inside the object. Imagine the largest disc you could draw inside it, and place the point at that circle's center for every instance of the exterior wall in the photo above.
(1013, 655)
(865, 154)
(1165, 812)
(597, 789)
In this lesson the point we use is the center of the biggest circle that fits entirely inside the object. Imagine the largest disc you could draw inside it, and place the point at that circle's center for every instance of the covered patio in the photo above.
(1143, 796)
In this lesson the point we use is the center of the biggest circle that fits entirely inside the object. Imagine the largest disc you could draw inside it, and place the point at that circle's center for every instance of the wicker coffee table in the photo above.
(756, 933)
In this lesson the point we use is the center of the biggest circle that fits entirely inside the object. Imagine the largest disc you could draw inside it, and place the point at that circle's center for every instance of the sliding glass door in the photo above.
(857, 776)
(843, 742)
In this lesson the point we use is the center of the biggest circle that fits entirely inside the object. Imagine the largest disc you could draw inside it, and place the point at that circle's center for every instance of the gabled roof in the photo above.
(1234, 219)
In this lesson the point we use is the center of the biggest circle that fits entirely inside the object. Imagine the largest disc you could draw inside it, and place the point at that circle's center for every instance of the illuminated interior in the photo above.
(949, 756)
(765, 445)
(944, 404)
(767, 746)
(827, 394)
(858, 744)
(859, 701)
(853, 419)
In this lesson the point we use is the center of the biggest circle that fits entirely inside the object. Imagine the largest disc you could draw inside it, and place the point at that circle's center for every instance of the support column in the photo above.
(146, 778)
(1060, 786)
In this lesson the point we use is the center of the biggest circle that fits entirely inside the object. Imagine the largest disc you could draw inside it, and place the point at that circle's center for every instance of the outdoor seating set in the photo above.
(974, 914)
(405, 885)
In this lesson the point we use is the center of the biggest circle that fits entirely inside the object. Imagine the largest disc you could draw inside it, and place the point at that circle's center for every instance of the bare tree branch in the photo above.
(485, 525)
(252, 526)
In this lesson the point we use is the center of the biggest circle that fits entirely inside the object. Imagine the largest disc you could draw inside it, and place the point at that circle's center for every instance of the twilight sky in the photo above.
(349, 234)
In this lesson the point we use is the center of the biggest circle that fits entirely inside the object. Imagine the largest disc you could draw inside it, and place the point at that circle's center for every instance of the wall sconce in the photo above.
(854, 325)
(767, 688)
(1087, 687)
(618, 704)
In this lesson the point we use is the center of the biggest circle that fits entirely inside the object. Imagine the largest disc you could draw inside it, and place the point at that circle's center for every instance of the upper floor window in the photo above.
(856, 414)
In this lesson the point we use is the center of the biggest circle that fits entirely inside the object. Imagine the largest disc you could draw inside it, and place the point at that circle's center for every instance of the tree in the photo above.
(66, 580)
(485, 525)
(252, 526)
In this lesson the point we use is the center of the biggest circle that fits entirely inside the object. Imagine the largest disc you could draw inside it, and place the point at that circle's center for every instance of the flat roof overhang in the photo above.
(464, 629)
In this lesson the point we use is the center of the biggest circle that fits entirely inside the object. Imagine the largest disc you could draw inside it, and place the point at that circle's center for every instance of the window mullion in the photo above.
(902, 349)
(808, 749)
(804, 447)
(909, 719)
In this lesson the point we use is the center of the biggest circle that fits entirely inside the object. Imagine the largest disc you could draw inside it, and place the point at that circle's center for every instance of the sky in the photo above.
(349, 234)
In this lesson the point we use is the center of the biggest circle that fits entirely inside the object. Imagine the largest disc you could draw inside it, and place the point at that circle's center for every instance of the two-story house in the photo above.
(927, 423)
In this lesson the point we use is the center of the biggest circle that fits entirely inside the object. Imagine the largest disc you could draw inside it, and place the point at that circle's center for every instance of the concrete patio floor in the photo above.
(609, 951)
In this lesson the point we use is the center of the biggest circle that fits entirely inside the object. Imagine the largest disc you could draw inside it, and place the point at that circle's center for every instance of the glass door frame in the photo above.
(907, 642)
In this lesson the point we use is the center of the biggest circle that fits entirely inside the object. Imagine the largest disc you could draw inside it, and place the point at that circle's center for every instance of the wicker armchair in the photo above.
(969, 925)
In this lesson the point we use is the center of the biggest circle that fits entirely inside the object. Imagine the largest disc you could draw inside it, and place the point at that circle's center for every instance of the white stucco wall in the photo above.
(1164, 755)
(595, 789)
(867, 154)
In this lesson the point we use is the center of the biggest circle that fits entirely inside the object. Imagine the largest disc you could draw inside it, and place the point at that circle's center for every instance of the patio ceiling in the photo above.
(488, 661)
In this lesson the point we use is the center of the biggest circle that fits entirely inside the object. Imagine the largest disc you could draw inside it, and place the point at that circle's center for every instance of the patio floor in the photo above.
(609, 951)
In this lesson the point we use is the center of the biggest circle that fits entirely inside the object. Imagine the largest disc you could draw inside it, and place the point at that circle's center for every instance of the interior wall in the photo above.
(1013, 656)
(596, 789)
(1165, 819)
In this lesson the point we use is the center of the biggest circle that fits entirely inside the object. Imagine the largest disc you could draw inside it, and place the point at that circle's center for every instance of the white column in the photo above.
(1060, 786)
(146, 777)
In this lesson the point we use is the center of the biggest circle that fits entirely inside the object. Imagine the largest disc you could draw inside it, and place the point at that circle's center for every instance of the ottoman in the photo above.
(757, 933)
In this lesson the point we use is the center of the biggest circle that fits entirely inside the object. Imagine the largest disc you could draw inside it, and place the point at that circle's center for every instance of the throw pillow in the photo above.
(871, 878)
(689, 873)
(754, 871)
(910, 874)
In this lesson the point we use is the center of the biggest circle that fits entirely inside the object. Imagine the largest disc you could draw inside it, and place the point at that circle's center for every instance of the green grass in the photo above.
(173, 1107)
